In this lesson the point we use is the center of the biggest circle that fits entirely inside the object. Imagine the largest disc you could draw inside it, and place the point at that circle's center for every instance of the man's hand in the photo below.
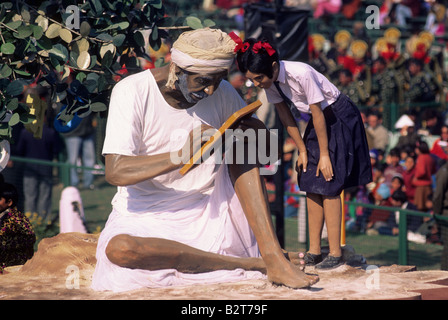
(196, 139)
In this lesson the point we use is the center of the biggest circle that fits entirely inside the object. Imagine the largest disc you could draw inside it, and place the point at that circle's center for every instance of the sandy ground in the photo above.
(50, 274)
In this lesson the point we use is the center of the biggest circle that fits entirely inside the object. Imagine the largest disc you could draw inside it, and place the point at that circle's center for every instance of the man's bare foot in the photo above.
(287, 274)
(297, 258)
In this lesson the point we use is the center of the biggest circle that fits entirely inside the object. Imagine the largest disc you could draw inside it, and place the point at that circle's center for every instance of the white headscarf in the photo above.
(202, 50)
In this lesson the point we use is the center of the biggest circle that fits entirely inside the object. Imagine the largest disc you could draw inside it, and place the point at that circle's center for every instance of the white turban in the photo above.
(202, 50)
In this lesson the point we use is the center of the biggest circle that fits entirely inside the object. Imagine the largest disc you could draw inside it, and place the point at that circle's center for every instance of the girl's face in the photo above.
(261, 80)
(4, 204)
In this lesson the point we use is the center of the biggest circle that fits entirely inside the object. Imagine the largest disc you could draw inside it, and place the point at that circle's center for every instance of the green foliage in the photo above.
(42, 44)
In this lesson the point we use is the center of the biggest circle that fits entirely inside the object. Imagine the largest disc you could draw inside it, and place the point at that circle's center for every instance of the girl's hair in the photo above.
(258, 60)
(423, 147)
(9, 192)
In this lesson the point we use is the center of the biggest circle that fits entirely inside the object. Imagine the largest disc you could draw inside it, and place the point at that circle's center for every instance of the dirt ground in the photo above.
(49, 276)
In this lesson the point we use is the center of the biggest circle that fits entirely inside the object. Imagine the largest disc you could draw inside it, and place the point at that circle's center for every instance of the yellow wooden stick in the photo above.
(249, 109)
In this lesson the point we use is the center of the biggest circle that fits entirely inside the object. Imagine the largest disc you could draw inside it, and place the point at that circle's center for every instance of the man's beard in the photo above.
(191, 97)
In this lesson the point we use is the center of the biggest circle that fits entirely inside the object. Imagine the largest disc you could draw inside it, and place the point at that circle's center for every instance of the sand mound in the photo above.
(62, 268)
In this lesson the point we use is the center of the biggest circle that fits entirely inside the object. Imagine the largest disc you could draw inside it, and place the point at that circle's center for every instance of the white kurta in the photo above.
(199, 209)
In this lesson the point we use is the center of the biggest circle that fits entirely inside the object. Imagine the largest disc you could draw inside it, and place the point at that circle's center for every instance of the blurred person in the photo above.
(17, 236)
(324, 8)
(408, 135)
(440, 207)
(424, 169)
(384, 85)
(418, 88)
(432, 123)
(393, 167)
(377, 130)
(80, 145)
(38, 178)
(408, 176)
(440, 146)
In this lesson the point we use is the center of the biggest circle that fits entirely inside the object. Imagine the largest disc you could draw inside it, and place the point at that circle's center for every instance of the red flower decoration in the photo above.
(239, 43)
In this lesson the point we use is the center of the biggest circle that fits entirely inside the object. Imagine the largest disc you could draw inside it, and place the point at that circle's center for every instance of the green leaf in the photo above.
(23, 32)
(38, 32)
(81, 76)
(15, 119)
(98, 107)
(14, 24)
(83, 60)
(209, 23)
(53, 31)
(15, 88)
(119, 39)
(13, 104)
(85, 29)
(138, 37)
(193, 22)
(8, 48)
(5, 71)
(22, 73)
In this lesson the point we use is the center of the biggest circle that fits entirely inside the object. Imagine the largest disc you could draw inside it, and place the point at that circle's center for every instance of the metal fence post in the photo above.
(402, 239)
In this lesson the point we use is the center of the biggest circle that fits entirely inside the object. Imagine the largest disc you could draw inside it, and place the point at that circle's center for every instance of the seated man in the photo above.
(209, 225)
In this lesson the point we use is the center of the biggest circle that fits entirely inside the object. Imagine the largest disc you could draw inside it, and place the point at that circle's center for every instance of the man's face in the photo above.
(197, 86)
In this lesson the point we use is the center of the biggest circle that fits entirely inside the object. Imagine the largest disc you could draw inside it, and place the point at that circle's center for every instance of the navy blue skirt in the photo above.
(347, 145)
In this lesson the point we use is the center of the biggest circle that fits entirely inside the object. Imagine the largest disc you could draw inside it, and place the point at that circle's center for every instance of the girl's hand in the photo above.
(302, 162)
(325, 167)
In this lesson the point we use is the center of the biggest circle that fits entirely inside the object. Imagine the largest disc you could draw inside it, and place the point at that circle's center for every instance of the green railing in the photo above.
(402, 224)
(403, 213)
(63, 166)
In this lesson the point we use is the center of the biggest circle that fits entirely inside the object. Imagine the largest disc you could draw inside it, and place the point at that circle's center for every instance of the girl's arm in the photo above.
(321, 131)
(291, 128)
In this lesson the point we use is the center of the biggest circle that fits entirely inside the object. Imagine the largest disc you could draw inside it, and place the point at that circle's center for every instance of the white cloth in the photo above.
(199, 209)
(303, 85)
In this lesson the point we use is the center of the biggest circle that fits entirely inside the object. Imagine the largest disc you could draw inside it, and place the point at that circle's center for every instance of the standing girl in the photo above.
(333, 153)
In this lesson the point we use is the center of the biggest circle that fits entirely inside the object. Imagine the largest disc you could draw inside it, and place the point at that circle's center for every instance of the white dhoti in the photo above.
(199, 209)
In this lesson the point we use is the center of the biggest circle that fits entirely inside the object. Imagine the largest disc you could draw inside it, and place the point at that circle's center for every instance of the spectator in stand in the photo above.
(432, 123)
(440, 146)
(408, 135)
(397, 184)
(440, 207)
(324, 8)
(408, 175)
(418, 88)
(425, 168)
(38, 178)
(393, 167)
(435, 21)
(379, 133)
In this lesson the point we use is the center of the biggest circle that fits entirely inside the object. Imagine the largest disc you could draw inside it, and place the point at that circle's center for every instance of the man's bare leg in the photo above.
(155, 254)
(251, 192)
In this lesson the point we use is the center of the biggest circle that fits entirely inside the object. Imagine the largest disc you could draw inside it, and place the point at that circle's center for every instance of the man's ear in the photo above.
(9, 203)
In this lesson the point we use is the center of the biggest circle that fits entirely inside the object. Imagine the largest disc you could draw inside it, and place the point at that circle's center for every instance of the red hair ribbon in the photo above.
(258, 45)
(239, 43)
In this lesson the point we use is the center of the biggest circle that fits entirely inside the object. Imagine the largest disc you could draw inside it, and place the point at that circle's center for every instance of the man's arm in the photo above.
(126, 170)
